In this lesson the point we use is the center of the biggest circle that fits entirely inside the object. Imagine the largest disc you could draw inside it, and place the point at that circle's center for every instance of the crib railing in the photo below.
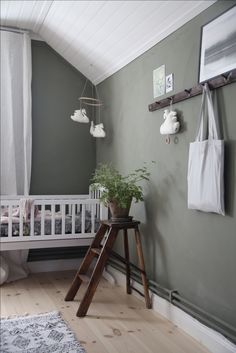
(61, 209)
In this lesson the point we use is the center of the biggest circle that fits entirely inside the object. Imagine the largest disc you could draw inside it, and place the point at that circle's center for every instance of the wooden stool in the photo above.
(103, 251)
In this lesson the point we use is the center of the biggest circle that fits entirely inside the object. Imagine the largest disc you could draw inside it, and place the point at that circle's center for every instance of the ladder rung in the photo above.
(138, 291)
(84, 278)
(96, 251)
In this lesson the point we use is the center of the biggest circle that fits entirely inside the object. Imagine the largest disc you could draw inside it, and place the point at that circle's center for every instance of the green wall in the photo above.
(186, 250)
(63, 151)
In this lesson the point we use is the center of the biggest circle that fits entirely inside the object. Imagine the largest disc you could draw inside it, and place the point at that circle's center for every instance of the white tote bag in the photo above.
(206, 163)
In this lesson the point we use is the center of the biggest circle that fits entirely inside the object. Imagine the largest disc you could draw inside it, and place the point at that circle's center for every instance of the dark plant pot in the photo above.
(118, 213)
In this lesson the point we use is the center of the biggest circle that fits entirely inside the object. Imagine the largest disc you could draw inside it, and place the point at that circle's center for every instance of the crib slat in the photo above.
(21, 221)
(10, 221)
(103, 214)
(92, 218)
(32, 220)
(97, 210)
(83, 219)
(53, 219)
(42, 219)
(73, 220)
(63, 219)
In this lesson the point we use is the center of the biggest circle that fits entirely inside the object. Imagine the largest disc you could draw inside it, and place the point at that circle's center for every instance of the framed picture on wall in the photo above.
(159, 81)
(218, 46)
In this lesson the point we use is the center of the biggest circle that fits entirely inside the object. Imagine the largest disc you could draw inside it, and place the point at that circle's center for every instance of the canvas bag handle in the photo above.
(207, 112)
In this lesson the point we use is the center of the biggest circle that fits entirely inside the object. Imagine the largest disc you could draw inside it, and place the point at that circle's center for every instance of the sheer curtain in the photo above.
(16, 129)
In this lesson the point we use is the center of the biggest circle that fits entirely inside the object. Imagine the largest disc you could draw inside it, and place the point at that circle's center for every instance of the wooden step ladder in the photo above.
(101, 247)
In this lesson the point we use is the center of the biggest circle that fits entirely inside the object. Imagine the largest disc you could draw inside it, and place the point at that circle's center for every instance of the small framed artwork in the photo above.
(159, 81)
(169, 83)
(218, 46)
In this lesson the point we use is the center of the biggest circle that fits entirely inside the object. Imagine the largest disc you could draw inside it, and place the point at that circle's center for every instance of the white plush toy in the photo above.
(97, 130)
(170, 125)
(4, 270)
(80, 116)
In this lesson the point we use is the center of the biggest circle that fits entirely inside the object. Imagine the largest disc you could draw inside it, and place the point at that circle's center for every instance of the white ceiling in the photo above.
(105, 34)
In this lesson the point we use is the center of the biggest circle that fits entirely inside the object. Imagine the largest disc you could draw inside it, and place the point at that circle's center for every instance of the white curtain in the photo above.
(16, 135)
(16, 128)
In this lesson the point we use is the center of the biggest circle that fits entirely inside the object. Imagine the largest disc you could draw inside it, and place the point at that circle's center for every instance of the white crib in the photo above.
(72, 220)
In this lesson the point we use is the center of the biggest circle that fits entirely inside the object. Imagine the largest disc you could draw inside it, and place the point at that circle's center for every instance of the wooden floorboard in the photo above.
(116, 322)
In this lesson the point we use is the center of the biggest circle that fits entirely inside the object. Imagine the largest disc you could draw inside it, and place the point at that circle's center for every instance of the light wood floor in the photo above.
(116, 322)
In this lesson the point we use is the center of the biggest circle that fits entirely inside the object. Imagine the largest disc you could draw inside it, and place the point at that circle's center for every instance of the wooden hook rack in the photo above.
(216, 82)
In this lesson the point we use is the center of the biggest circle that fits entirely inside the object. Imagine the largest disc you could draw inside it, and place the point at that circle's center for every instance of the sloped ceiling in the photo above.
(100, 37)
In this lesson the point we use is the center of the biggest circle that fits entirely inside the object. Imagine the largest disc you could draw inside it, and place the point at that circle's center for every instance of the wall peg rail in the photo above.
(216, 82)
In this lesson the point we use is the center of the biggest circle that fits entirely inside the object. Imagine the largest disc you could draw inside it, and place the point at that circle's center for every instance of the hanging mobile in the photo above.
(80, 115)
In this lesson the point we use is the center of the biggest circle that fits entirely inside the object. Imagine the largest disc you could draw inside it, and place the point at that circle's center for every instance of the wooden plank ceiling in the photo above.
(105, 34)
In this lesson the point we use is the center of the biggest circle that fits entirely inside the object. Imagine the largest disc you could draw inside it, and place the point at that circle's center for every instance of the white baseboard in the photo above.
(54, 265)
(212, 340)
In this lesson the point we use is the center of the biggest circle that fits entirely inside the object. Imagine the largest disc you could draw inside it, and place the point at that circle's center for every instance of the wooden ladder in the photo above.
(101, 247)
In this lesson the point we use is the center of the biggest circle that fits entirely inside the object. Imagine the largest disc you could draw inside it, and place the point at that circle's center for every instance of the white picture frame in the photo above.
(218, 46)
(159, 81)
(169, 83)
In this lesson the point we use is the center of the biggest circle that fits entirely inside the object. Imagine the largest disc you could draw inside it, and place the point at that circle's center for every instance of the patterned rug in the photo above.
(44, 333)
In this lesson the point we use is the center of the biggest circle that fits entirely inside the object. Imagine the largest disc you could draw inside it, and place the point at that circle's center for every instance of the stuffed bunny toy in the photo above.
(4, 270)
(170, 125)
(97, 130)
(80, 116)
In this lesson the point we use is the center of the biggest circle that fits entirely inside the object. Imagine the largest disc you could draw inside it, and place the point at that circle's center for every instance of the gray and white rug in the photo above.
(45, 333)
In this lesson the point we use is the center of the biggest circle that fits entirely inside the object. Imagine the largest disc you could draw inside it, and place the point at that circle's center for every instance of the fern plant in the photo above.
(117, 188)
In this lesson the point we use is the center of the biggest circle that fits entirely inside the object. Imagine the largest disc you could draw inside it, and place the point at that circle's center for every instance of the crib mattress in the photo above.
(48, 226)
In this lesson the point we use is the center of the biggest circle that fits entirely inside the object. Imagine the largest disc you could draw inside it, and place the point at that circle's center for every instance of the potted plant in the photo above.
(118, 191)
